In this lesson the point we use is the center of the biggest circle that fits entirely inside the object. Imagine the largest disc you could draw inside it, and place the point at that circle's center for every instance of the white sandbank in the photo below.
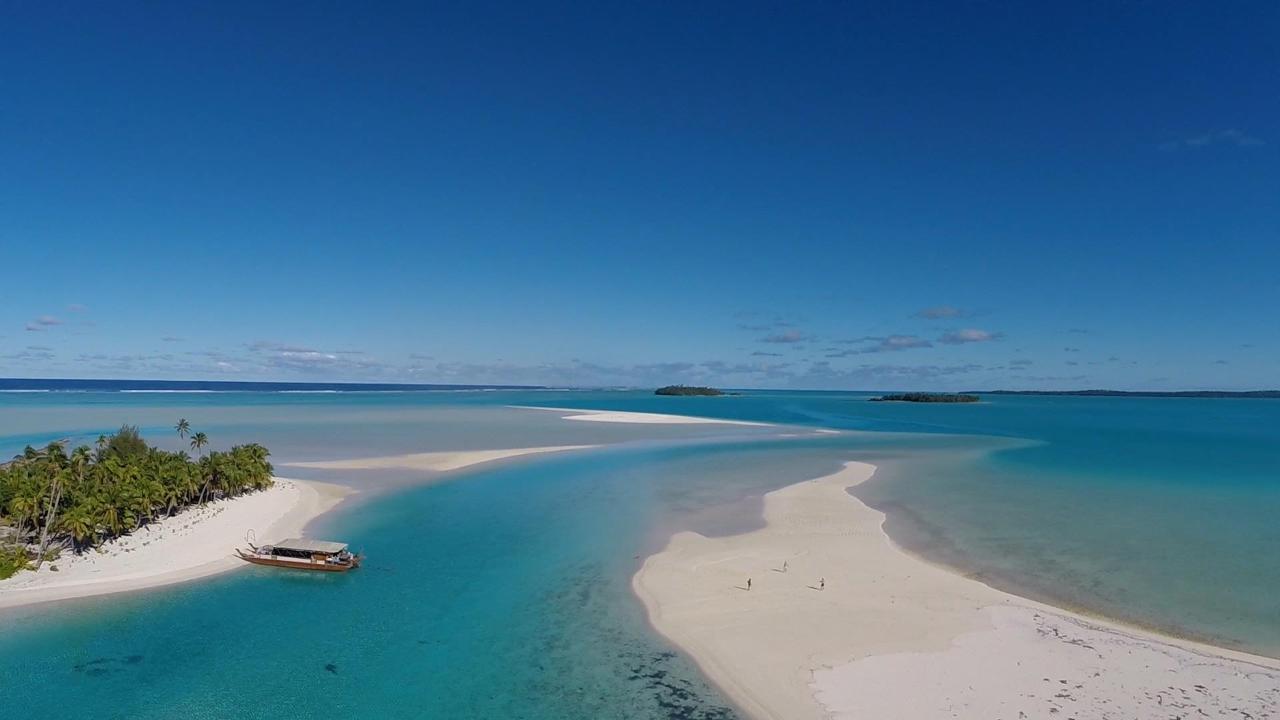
(892, 636)
(194, 543)
(438, 461)
(638, 418)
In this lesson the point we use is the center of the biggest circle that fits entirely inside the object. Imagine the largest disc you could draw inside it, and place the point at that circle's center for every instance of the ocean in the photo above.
(505, 592)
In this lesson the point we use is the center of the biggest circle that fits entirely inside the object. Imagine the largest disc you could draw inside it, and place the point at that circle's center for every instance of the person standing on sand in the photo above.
(784, 566)
(748, 584)
(822, 583)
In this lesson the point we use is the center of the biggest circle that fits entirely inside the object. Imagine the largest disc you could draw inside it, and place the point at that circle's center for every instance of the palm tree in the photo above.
(187, 479)
(198, 442)
(207, 472)
(59, 482)
(114, 511)
(183, 427)
(23, 507)
(55, 454)
(84, 496)
(78, 522)
(80, 460)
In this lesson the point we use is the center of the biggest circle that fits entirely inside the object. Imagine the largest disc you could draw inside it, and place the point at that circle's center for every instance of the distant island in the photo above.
(1272, 394)
(687, 390)
(921, 397)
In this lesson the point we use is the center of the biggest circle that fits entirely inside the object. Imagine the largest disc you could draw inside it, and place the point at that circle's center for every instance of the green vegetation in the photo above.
(12, 559)
(51, 500)
(686, 390)
(920, 397)
(1255, 394)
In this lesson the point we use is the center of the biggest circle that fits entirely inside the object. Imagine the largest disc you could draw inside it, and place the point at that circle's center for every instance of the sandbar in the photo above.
(890, 635)
(442, 461)
(639, 418)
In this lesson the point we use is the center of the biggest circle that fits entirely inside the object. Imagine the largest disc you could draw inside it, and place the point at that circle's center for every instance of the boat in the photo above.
(302, 554)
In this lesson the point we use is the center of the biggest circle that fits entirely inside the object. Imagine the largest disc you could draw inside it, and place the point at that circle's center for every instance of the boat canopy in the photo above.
(303, 545)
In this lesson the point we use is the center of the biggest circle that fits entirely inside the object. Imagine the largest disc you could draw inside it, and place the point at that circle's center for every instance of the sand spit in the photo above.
(638, 418)
(857, 628)
(443, 461)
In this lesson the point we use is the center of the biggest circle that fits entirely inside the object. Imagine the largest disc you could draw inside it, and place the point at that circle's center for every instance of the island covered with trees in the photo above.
(52, 500)
(1264, 394)
(687, 390)
(923, 397)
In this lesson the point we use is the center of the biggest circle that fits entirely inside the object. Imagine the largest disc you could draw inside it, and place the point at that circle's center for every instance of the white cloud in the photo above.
(43, 322)
(940, 311)
(968, 335)
(881, 344)
(790, 336)
(1230, 136)
(32, 353)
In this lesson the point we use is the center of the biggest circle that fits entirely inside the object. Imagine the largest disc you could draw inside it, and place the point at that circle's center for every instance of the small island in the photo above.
(687, 390)
(920, 397)
(52, 500)
(1218, 394)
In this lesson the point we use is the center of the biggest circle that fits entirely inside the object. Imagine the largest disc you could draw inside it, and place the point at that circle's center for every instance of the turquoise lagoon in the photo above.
(505, 592)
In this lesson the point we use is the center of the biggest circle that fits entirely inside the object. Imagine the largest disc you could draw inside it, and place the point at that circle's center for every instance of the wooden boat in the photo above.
(302, 554)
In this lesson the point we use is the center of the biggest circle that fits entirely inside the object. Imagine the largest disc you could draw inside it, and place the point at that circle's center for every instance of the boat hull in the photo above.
(298, 564)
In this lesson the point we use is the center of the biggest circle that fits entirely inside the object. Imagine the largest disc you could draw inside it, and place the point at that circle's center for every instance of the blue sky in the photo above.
(843, 195)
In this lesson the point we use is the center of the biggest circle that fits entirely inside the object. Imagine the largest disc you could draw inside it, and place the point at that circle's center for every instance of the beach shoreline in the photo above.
(892, 635)
(199, 542)
(195, 543)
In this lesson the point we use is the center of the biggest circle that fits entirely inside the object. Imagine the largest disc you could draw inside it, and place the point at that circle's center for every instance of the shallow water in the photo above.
(506, 593)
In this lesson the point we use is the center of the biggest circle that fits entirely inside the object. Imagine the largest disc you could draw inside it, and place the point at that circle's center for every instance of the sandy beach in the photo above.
(200, 541)
(442, 461)
(195, 543)
(892, 636)
(448, 460)
(638, 418)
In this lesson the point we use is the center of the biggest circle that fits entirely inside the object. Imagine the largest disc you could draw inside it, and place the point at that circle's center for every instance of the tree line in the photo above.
(686, 390)
(926, 397)
(52, 499)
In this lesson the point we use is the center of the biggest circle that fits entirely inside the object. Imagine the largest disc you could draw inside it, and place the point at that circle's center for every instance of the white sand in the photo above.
(201, 541)
(438, 461)
(639, 418)
(194, 543)
(892, 636)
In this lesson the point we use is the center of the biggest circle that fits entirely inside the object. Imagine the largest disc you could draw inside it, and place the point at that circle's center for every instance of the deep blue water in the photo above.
(105, 386)
(505, 593)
